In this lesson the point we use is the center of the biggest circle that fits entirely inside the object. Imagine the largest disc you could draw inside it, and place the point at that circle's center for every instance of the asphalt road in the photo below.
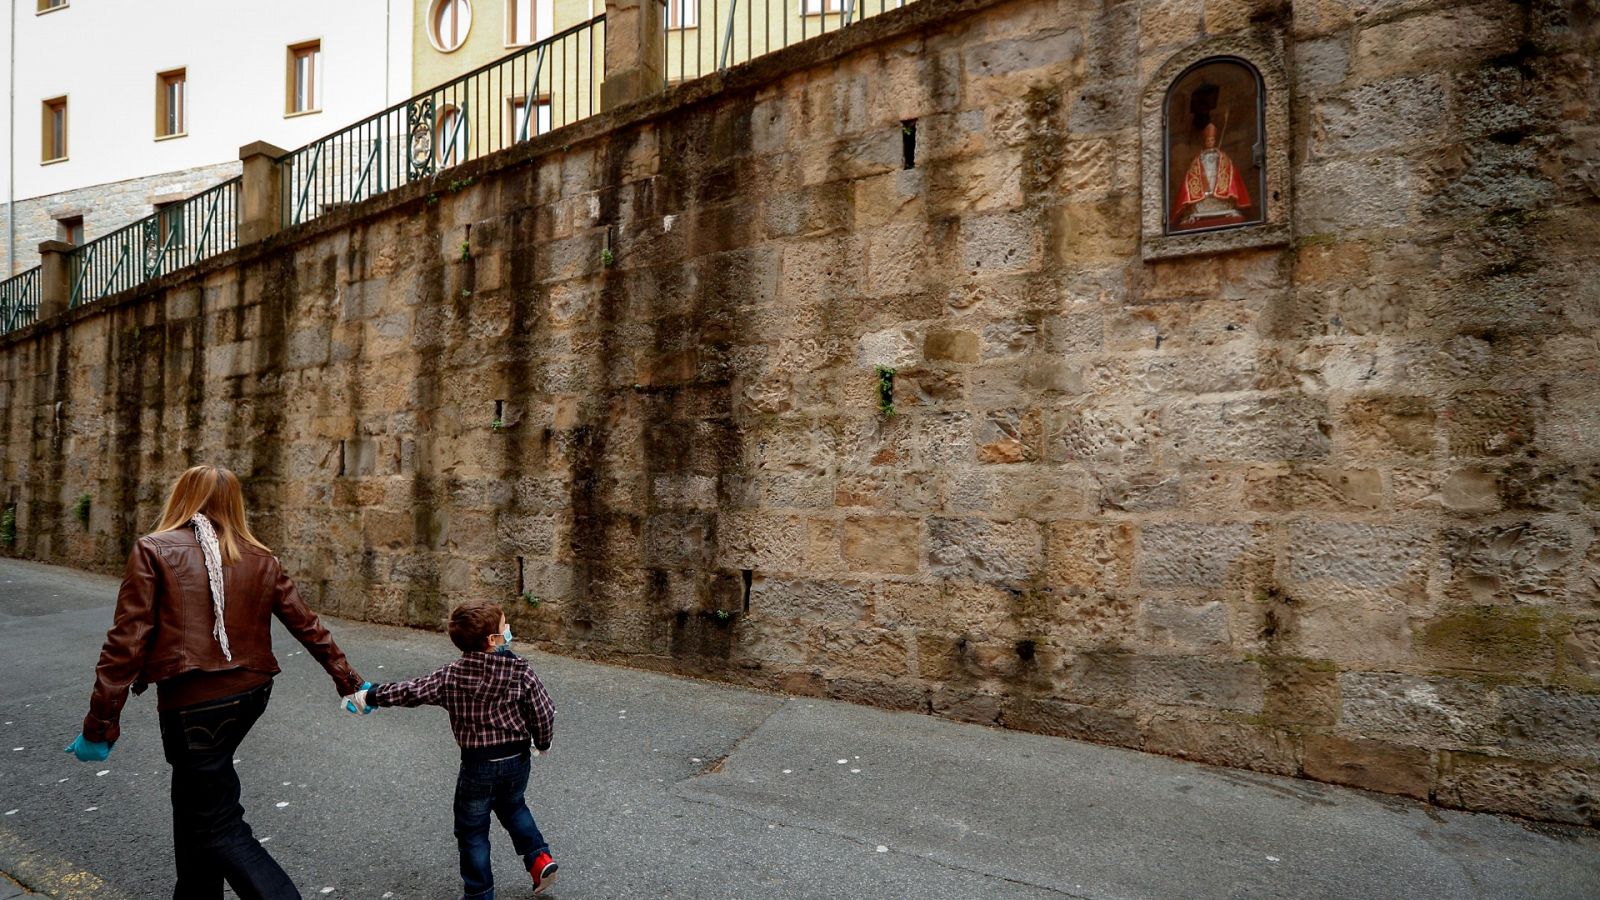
(664, 787)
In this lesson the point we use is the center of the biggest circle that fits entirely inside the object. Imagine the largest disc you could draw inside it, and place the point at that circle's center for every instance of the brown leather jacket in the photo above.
(163, 624)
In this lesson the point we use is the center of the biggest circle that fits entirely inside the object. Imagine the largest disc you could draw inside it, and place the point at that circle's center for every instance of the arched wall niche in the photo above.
(1215, 150)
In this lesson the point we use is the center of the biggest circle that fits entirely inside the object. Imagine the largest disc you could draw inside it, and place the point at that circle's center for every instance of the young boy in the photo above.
(497, 707)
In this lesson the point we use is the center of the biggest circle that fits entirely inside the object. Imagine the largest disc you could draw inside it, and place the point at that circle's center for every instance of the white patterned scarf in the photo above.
(212, 551)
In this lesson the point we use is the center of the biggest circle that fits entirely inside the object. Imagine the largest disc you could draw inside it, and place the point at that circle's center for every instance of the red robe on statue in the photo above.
(1229, 187)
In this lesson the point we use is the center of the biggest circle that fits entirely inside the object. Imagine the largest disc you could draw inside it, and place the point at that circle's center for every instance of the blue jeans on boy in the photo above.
(495, 785)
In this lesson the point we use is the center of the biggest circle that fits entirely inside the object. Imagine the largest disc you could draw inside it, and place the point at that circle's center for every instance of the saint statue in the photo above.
(1213, 192)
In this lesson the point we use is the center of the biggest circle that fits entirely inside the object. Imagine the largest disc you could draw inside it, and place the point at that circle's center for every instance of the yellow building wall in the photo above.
(568, 81)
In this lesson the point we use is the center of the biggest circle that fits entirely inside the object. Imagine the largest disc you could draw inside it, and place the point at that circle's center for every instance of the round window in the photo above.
(448, 23)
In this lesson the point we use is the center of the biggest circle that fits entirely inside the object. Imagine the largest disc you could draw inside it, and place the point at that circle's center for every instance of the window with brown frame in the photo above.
(53, 130)
(169, 224)
(683, 14)
(172, 112)
(448, 24)
(47, 5)
(304, 78)
(450, 137)
(520, 23)
(70, 229)
(518, 107)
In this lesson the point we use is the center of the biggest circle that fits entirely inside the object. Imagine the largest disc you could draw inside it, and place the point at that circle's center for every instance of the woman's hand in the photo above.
(89, 751)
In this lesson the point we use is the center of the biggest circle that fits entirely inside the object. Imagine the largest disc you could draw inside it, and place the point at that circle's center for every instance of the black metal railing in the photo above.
(19, 300)
(168, 239)
(544, 86)
(705, 36)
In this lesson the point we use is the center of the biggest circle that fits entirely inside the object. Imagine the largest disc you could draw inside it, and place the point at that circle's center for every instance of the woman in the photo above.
(194, 618)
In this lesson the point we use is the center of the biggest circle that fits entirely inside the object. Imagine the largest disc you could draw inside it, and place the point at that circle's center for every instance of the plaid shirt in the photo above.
(492, 699)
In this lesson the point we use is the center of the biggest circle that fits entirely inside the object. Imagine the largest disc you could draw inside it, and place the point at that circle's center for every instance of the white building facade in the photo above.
(118, 107)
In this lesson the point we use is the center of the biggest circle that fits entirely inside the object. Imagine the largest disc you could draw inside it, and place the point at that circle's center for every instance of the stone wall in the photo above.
(1326, 509)
(106, 207)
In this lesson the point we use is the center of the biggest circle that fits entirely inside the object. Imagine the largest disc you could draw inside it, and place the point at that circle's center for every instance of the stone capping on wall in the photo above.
(1264, 50)
(922, 15)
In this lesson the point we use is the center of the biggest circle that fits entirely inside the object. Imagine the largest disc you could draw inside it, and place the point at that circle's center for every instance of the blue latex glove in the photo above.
(89, 751)
(357, 702)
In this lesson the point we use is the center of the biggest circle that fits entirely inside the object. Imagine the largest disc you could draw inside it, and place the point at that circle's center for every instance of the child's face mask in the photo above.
(505, 638)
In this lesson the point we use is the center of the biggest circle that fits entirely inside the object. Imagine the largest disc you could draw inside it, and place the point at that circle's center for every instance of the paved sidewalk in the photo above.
(665, 787)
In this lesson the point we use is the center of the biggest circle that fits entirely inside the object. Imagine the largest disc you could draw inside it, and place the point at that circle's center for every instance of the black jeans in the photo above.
(211, 841)
(498, 786)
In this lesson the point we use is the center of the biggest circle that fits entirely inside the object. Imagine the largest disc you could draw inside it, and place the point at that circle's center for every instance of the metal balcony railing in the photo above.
(168, 239)
(544, 86)
(19, 300)
(704, 36)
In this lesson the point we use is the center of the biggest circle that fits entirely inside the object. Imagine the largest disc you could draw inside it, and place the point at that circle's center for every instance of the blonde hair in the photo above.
(215, 491)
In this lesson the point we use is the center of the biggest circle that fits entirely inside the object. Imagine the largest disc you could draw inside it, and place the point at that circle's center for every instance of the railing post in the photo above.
(635, 68)
(55, 278)
(261, 199)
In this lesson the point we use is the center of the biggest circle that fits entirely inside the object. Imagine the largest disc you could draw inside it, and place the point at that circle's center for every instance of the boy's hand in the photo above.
(89, 751)
(357, 702)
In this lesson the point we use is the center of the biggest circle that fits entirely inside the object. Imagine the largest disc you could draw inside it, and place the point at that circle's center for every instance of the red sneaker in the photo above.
(543, 871)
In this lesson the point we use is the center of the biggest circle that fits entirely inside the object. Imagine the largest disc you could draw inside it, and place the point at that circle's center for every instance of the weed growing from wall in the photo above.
(8, 526)
(885, 391)
(81, 510)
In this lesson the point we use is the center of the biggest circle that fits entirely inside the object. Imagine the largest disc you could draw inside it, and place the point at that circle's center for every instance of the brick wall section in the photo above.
(1325, 510)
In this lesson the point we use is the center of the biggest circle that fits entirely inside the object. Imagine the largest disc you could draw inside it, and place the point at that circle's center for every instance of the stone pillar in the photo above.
(55, 279)
(635, 68)
(261, 206)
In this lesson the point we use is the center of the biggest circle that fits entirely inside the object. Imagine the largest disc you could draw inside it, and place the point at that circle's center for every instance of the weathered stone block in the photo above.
(983, 550)
(1487, 639)
(1320, 65)
(1300, 691)
(1009, 436)
(1021, 54)
(1282, 428)
(833, 601)
(1284, 490)
(1380, 116)
(1361, 555)
(1088, 556)
(1184, 627)
(1546, 722)
(1001, 244)
(1460, 36)
(1537, 790)
(1356, 193)
(1524, 562)
(1193, 681)
(1190, 555)
(1070, 720)
(901, 694)
(1223, 744)
(1438, 712)
(966, 705)
(1104, 434)
(1140, 492)
(1373, 765)
(951, 346)
(1489, 424)
(891, 545)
